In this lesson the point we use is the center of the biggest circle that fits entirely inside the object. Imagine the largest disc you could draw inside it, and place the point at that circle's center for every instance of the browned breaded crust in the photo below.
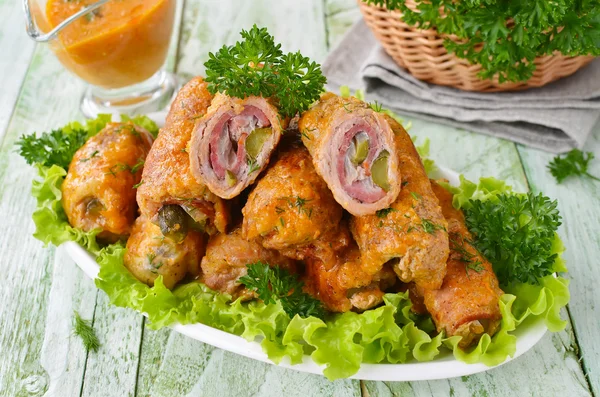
(149, 254)
(467, 302)
(98, 191)
(291, 206)
(167, 176)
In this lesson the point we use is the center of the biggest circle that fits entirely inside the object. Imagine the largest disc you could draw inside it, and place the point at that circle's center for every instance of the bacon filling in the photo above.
(227, 140)
(356, 178)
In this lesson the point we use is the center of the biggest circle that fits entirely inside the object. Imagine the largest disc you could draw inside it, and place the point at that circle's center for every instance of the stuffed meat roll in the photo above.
(169, 195)
(226, 260)
(99, 189)
(410, 235)
(291, 208)
(149, 254)
(467, 304)
(354, 150)
(233, 142)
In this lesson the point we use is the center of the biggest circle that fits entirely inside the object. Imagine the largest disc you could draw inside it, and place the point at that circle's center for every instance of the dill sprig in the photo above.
(83, 329)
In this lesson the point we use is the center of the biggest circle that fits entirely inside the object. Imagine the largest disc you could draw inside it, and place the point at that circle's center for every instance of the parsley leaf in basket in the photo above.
(515, 233)
(257, 66)
(274, 284)
(575, 163)
(505, 37)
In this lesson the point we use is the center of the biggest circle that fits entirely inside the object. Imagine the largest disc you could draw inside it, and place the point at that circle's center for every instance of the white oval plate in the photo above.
(444, 366)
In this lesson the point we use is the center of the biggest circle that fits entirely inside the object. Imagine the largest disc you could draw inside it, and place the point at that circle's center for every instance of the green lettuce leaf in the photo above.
(143, 121)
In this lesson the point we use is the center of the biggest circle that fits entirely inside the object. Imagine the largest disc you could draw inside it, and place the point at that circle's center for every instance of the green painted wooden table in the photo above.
(41, 287)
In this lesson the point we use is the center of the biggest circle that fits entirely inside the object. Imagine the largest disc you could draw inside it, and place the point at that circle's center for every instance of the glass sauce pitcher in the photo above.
(117, 46)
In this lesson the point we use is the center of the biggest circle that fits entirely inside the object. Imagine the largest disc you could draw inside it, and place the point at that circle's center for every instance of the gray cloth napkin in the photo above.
(555, 118)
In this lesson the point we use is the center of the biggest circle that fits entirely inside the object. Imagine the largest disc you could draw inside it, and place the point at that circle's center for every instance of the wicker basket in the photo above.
(423, 54)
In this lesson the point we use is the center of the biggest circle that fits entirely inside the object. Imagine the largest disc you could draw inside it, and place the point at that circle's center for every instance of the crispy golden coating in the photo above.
(342, 285)
(149, 254)
(167, 176)
(227, 256)
(411, 235)
(467, 302)
(331, 130)
(98, 191)
(291, 207)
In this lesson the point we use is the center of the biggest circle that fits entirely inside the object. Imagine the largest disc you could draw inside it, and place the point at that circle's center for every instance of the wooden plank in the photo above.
(579, 204)
(46, 100)
(41, 289)
(16, 49)
(112, 371)
(190, 368)
(171, 364)
(553, 363)
(339, 16)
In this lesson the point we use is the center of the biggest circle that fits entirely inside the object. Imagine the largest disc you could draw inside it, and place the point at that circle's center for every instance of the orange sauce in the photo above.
(123, 42)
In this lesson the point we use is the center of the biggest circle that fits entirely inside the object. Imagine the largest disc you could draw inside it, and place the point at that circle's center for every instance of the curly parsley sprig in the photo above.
(274, 284)
(505, 37)
(257, 66)
(515, 233)
(50, 148)
(575, 163)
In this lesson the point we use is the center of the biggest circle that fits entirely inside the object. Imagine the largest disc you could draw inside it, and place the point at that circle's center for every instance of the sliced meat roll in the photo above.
(170, 196)
(150, 255)
(226, 260)
(411, 235)
(354, 151)
(467, 304)
(99, 189)
(233, 142)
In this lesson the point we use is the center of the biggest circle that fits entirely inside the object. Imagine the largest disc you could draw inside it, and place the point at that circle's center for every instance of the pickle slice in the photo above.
(173, 222)
(256, 140)
(361, 150)
(94, 207)
(379, 171)
(230, 178)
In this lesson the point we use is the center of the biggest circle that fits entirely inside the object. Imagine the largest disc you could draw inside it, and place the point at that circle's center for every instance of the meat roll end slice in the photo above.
(233, 142)
(149, 254)
(354, 150)
(98, 191)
